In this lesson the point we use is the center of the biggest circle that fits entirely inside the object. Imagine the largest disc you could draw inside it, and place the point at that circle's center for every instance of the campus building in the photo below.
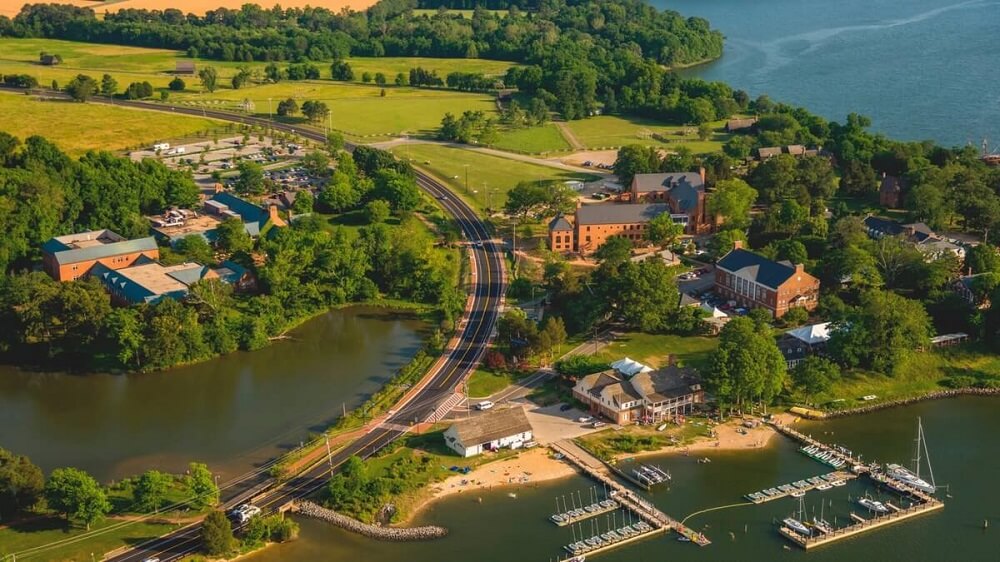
(496, 429)
(70, 257)
(799, 343)
(682, 192)
(630, 392)
(753, 281)
(592, 225)
(923, 238)
(177, 224)
(148, 281)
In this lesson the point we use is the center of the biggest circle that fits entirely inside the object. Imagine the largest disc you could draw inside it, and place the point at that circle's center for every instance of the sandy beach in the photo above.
(727, 438)
(528, 468)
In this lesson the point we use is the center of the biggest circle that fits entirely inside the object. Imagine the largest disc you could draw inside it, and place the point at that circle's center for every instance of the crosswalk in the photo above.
(441, 411)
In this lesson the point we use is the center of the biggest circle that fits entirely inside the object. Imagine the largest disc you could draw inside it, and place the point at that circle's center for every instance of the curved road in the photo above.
(439, 385)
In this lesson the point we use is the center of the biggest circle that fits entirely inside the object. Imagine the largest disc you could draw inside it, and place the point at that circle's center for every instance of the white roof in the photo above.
(713, 311)
(816, 333)
(630, 367)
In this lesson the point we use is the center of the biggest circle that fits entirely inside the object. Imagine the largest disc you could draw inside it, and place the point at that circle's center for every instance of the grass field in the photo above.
(544, 138)
(128, 64)
(47, 531)
(78, 127)
(484, 383)
(490, 177)
(611, 131)
(653, 349)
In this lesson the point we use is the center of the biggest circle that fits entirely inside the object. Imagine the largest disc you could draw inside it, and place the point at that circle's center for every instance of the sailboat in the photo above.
(912, 477)
(796, 524)
(821, 524)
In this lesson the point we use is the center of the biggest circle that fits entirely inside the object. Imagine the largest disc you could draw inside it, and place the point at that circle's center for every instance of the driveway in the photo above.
(549, 424)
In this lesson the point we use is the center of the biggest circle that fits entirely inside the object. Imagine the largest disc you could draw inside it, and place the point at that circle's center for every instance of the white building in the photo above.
(491, 431)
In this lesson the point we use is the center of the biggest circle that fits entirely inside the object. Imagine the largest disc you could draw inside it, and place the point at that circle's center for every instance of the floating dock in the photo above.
(618, 537)
(824, 482)
(579, 514)
(831, 455)
(862, 525)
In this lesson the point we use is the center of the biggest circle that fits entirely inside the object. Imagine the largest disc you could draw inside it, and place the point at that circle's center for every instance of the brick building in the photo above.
(70, 257)
(683, 192)
(753, 281)
(593, 225)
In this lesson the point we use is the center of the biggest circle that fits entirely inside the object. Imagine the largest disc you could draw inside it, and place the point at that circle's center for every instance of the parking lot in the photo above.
(551, 423)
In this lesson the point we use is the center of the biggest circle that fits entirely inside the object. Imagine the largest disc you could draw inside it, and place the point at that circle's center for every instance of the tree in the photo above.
(233, 236)
(209, 77)
(76, 495)
(880, 331)
(705, 131)
(109, 86)
(747, 366)
(731, 202)
(204, 492)
(241, 78)
(553, 333)
(21, 484)
(663, 231)
(303, 202)
(815, 374)
(82, 87)
(400, 79)
(195, 248)
(251, 179)
(317, 163)
(288, 107)
(366, 77)
(315, 110)
(377, 211)
(635, 159)
(177, 84)
(399, 190)
(539, 198)
(151, 489)
(217, 535)
(341, 70)
(380, 79)
(724, 241)
(646, 294)
(982, 258)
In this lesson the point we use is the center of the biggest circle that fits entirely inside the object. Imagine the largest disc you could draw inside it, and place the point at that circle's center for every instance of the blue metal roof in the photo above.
(64, 254)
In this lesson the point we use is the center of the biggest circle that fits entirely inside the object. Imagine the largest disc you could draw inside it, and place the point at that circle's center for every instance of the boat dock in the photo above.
(647, 512)
(862, 525)
(579, 514)
(831, 455)
(823, 482)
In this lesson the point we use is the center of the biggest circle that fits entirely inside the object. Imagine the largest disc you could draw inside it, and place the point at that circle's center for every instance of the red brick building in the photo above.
(70, 257)
(683, 192)
(753, 281)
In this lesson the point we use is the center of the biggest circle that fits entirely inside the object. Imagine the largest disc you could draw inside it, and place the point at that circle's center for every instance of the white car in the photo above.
(585, 419)
(484, 405)
(597, 424)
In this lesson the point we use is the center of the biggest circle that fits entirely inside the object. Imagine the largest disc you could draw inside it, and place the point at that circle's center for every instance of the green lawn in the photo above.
(534, 140)
(78, 127)
(490, 177)
(104, 537)
(608, 131)
(653, 349)
(632, 439)
(484, 383)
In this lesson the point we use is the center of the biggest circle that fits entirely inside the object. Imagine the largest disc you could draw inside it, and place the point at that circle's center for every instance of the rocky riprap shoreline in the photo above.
(399, 534)
(906, 401)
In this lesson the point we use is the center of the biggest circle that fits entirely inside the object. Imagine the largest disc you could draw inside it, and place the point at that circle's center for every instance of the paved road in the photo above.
(479, 323)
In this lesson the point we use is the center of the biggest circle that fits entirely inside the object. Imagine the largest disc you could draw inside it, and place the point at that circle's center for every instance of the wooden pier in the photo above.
(786, 490)
(862, 525)
(849, 460)
(568, 518)
(598, 470)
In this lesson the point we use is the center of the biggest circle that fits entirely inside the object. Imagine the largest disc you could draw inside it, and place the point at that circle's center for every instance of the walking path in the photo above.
(494, 152)
(569, 136)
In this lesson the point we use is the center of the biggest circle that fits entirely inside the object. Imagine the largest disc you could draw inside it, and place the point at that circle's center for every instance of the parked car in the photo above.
(597, 424)
(585, 419)
(565, 407)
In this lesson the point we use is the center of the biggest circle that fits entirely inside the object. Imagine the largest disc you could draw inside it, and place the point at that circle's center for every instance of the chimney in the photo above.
(701, 172)
(800, 268)
(579, 203)
(737, 244)
(218, 187)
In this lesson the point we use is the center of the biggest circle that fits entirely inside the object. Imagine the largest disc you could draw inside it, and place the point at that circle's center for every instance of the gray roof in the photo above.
(64, 254)
(493, 425)
(559, 223)
(645, 183)
(664, 384)
(756, 267)
(612, 213)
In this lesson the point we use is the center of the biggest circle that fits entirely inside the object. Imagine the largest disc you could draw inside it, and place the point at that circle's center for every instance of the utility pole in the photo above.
(513, 244)
(329, 455)
(466, 178)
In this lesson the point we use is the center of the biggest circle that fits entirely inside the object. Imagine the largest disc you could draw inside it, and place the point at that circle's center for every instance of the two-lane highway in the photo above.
(479, 321)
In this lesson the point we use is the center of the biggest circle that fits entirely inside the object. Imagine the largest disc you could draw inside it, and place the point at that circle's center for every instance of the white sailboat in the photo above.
(912, 478)
(796, 524)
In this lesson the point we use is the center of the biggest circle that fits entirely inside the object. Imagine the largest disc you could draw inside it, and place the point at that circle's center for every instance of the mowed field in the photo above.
(10, 8)
(79, 127)
(608, 131)
(490, 177)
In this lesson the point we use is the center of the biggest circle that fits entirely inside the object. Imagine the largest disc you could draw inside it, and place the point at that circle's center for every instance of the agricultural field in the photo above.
(608, 131)
(10, 8)
(533, 140)
(490, 177)
(79, 127)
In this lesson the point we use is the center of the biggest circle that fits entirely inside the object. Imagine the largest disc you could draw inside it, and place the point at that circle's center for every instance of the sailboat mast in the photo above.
(920, 435)
(927, 454)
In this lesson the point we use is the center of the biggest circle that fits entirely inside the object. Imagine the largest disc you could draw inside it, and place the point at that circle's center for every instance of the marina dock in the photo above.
(647, 512)
(579, 514)
(823, 482)
(862, 525)
(827, 454)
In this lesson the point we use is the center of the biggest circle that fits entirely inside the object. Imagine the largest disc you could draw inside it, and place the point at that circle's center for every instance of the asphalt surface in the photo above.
(487, 290)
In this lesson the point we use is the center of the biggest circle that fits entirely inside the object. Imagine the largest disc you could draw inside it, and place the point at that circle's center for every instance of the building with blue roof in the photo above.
(754, 281)
(72, 256)
(148, 281)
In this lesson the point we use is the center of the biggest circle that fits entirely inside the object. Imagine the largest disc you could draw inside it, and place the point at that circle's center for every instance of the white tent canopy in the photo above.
(630, 367)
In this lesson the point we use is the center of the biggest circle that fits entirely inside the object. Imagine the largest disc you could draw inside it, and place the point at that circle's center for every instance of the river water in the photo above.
(921, 69)
(232, 412)
(965, 452)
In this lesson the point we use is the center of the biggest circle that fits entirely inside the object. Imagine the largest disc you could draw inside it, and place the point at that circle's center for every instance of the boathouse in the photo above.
(494, 430)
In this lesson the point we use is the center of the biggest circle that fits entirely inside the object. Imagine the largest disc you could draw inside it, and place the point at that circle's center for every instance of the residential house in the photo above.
(765, 153)
(683, 192)
(966, 287)
(919, 234)
(72, 256)
(890, 191)
(184, 67)
(493, 430)
(148, 281)
(753, 281)
(801, 342)
(634, 393)
(745, 125)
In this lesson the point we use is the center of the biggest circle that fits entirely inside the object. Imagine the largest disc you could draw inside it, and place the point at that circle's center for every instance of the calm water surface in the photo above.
(964, 445)
(231, 412)
(921, 69)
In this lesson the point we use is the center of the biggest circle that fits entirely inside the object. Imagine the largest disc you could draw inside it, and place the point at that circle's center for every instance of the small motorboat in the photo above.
(873, 505)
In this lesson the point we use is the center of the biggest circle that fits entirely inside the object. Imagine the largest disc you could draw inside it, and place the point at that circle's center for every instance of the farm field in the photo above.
(10, 8)
(79, 127)
(490, 177)
(607, 131)
(544, 138)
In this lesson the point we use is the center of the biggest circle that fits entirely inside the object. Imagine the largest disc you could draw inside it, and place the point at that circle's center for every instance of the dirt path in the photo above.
(568, 135)
(494, 152)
